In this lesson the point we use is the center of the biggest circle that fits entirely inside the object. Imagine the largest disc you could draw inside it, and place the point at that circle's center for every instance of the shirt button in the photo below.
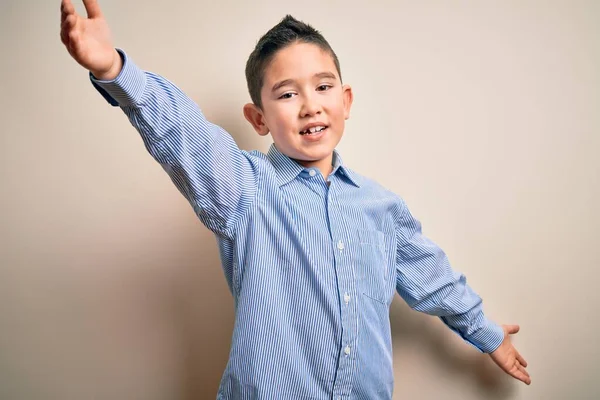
(340, 245)
(347, 350)
(346, 298)
(312, 172)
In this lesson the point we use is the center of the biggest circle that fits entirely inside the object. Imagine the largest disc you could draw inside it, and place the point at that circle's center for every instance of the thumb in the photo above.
(93, 8)
(511, 329)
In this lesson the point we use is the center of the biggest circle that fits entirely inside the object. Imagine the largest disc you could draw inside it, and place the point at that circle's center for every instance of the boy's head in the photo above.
(294, 81)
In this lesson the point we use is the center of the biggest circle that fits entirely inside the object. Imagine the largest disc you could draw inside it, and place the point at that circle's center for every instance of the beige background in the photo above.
(484, 116)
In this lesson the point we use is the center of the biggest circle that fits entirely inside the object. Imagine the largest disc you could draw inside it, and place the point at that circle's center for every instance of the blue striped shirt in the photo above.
(313, 263)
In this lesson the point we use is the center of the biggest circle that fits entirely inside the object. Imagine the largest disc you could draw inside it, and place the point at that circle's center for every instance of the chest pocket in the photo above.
(374, 264)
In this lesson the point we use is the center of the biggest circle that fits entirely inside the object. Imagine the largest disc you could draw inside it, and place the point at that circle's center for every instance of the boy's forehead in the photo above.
(299, 61)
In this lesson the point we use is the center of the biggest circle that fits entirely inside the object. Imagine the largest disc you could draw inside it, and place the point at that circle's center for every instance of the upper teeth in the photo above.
(315, 129)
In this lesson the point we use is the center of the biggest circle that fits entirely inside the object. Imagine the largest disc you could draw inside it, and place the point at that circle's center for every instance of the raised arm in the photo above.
(216, 177)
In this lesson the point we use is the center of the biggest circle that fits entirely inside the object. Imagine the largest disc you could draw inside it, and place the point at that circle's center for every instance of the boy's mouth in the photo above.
(313, 130)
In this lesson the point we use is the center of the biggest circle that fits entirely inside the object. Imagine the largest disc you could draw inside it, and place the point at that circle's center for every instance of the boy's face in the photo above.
(302, 91)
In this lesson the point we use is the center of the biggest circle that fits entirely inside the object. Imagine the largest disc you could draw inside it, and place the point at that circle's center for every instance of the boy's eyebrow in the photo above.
(326, 74)
(282, 83)
(321, 75)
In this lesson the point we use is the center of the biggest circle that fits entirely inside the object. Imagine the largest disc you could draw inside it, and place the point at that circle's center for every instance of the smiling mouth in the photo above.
(313, 130)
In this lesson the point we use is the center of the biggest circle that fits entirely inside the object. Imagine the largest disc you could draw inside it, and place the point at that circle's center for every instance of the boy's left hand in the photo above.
(509, 359)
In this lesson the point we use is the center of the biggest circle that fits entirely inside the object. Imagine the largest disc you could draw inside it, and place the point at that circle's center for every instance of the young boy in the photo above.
(312, 251)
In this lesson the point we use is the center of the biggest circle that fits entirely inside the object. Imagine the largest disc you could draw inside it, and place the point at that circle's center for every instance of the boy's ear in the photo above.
(255, 116)
(348, 97)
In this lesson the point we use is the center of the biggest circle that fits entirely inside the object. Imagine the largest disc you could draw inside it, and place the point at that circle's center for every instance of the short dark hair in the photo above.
(289, 30)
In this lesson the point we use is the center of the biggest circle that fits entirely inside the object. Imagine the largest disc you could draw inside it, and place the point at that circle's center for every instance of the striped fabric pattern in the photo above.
(312, 267)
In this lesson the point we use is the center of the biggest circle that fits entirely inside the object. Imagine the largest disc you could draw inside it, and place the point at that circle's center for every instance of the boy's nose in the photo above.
(310, 106)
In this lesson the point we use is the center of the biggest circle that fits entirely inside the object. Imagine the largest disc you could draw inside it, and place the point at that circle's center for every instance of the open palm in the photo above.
(88, 40)
(509, 359)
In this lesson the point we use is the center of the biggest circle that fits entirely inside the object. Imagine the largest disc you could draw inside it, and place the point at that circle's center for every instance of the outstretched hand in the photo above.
(509, 359)
(88, 40)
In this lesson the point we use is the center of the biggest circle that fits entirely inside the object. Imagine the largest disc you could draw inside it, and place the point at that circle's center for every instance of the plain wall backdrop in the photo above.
(484, 116)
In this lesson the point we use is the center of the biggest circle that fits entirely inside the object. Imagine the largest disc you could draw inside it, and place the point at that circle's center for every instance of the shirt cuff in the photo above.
(487, 338)
(127, 88)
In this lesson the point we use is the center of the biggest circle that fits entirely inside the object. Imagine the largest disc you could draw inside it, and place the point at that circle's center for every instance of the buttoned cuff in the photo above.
(127, 88)
(487, 338)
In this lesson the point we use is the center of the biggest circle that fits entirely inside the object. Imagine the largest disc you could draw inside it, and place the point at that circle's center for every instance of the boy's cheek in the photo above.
(285, 112)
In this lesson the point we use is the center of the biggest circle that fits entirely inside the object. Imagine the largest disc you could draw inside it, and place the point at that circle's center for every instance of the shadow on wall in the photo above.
(449, 352)
(204, 311)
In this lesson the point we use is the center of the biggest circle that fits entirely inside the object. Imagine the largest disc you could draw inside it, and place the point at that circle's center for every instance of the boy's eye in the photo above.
(286, 95)
(323, 88)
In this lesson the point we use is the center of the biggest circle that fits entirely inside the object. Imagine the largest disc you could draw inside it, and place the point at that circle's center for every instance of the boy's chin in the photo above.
(308, 153)
(313, 155)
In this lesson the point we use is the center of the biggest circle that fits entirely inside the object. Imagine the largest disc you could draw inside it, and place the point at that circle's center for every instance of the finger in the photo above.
(92, 8)
(66, 7)
(521, 359)
(518, 372)
(523, 370)
(521, 374)
(69, 23)
(66, 28)
(511, 329)
(64, 37)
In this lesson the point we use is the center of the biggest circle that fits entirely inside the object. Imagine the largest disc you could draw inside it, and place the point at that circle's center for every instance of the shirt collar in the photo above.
(288, 169)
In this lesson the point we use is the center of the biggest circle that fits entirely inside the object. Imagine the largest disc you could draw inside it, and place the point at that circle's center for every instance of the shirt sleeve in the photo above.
(217, 178)
(427, 282)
